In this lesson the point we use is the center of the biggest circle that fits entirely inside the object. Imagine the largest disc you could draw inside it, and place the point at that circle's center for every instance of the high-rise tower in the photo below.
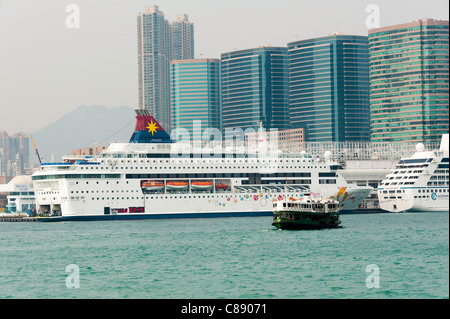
(195, 95)
(409, 81)
(157, 42)
(254, 88)
(182, 38)
(329, 88)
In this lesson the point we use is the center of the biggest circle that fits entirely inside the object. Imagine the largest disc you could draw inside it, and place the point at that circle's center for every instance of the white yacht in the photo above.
(419, 182)
(147, 178)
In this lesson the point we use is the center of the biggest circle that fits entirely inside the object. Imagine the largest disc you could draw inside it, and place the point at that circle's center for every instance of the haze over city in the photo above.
(49, 70)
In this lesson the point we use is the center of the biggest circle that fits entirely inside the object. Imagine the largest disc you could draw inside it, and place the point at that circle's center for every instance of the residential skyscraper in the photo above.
(182, 38)
(255, 88)
(153, 63)
(329, 88)
(157, 40)
(195, 95)
(14, 155)
(409, 81)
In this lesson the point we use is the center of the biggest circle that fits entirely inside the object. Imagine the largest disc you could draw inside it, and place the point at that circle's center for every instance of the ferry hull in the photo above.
(299, 226)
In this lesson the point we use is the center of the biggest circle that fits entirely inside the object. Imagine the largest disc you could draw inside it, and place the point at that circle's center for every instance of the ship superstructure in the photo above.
(419, 182)
(153, 177)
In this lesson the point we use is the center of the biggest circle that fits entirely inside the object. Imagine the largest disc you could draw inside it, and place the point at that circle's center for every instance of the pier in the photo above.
(17, 219)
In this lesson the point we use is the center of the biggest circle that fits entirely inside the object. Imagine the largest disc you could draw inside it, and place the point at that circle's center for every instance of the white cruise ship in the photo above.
(147, 178)
(419, 182)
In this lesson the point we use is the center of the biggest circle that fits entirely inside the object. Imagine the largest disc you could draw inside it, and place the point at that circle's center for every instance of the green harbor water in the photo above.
(394, 256)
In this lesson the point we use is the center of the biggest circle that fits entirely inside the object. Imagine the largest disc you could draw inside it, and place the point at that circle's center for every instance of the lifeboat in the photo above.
(201, 184)
(152, 185)
(222, 186)
(176, 184)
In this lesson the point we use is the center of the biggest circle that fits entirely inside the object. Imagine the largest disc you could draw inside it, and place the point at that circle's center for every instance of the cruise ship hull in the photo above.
(202, 205)
(436, 202)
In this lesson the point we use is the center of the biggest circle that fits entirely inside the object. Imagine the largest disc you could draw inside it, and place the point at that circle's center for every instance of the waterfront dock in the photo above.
(18, 219)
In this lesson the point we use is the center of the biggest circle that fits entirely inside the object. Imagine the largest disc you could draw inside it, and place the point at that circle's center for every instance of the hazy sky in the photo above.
(48, 70)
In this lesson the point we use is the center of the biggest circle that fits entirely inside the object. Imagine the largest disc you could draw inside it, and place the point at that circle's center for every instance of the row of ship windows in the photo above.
(439, 190)
(211, 161)
(408, 172)
(437, 171)
(151, 197)
(204, 167)
(397, 183)
(438, 183)
(103, 191)
(404, 177)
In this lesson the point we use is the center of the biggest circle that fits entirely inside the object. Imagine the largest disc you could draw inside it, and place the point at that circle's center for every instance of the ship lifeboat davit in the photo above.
(201, 184)
(222, 186)
(177, 184)
(152, 185)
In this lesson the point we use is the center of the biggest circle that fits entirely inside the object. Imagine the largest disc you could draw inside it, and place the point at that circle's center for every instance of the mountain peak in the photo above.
(82, 128)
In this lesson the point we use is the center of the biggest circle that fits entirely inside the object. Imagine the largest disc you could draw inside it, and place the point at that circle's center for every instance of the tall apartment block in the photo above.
(14, 155)
(329, 88)
(254, 88)
(195, 95)
(409, 81)
(157, 41)
(182, 38)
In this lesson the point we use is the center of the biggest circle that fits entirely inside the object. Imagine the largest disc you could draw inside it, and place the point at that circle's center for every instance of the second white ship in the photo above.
(418, 183)
(145, 178)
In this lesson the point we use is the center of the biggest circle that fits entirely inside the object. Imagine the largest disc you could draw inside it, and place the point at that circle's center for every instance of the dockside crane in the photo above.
(37, 152)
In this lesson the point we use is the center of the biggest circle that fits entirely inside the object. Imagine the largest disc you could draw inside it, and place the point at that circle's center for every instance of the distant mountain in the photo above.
(81, 129)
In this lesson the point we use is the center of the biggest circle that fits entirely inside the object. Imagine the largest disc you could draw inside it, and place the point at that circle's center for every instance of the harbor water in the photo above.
(387, 255)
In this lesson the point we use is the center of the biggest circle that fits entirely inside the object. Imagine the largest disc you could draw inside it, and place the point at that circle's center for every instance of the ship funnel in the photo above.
(148, 130)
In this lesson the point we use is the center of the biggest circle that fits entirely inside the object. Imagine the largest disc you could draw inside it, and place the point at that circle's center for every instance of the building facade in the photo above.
(14, 156)
(290, 140)
(329, 88)
(195, 95)
(182, 38)
(409, 81)
(157, 41)
(254, 88)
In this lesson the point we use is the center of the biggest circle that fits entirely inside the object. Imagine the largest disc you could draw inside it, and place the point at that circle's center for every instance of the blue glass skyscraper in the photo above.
(195, 95)
(255, 88)
(329, 88)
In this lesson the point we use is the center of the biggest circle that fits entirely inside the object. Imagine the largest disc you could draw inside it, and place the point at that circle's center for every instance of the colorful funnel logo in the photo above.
(148, 130)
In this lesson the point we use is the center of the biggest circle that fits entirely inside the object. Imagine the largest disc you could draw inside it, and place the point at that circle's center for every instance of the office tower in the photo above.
(182, 38)
(329, 88)
(254, 88)
(409, 81)
(157, 40)
(195, 95)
